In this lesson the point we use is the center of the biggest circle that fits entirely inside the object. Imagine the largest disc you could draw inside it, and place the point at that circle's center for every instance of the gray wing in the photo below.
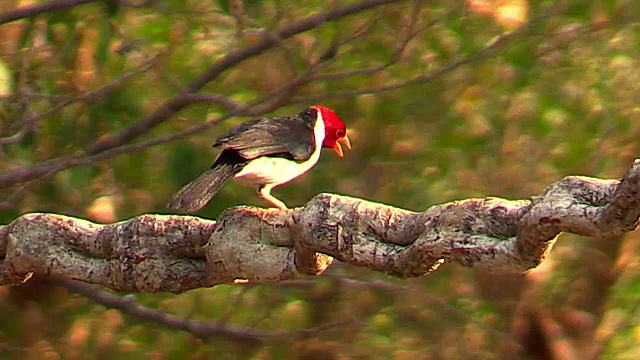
(290, 137)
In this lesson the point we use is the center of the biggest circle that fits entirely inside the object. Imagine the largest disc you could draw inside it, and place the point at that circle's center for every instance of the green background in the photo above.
(443, 102)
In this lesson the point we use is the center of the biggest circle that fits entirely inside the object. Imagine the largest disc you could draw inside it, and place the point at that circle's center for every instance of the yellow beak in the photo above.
(338, 149)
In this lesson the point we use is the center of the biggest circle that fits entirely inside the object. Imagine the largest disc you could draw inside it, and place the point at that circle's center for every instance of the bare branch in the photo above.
(179, 253)
(139, 5)
(205, 330)
(18, 194)
(196, 98)
(180, 101)
(89, 96)
(33, 10)
(412, 32)
(395, 289)
(173, 105)
(114, 145)
(65, 162)
(481, 54)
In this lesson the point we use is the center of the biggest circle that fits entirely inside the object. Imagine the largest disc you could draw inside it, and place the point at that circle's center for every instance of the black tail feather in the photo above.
(196, 194)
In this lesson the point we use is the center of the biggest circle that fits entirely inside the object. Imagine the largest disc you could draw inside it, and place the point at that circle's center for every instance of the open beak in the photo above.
(338, 149)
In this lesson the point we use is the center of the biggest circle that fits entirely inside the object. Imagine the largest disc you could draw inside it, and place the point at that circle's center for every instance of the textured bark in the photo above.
(177, 253)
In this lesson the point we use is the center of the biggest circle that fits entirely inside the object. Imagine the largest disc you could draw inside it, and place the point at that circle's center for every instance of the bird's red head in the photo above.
(335, 131)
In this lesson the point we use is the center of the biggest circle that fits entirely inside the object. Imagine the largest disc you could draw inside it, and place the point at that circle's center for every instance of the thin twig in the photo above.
(65, 162)
(180, 101)
(395, 57)
(33, 10)
(481, 54)
(205, 330)
(173, 105)
(393, 289)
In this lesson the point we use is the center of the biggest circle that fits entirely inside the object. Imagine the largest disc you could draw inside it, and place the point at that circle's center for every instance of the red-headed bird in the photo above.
(265, 153)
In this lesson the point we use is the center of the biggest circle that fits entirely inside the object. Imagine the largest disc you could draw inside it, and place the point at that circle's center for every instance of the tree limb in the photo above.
(205, 330)
(33, 10)
(173, 105)
(178, 253)
(115, 144)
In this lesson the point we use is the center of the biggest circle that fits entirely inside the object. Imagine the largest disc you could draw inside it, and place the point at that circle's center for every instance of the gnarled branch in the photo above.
(178, 253)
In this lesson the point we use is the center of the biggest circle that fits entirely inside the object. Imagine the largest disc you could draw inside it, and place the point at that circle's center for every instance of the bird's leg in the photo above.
(265, 193)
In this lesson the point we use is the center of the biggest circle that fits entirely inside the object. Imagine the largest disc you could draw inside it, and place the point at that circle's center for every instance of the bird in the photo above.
(265, 153)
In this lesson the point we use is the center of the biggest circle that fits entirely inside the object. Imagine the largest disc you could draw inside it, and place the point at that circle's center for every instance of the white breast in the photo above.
(278, 171)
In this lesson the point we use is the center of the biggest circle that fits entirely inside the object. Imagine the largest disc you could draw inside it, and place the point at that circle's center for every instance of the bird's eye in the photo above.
(339, 133)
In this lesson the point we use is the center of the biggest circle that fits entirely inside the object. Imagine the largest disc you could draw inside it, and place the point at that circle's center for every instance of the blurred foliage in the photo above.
(559, 97)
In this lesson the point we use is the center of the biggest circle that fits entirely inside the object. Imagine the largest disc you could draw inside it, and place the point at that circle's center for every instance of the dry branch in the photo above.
(178, 253)
(205, 330)
(33, 10)
(173, 105)
(115, 144)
